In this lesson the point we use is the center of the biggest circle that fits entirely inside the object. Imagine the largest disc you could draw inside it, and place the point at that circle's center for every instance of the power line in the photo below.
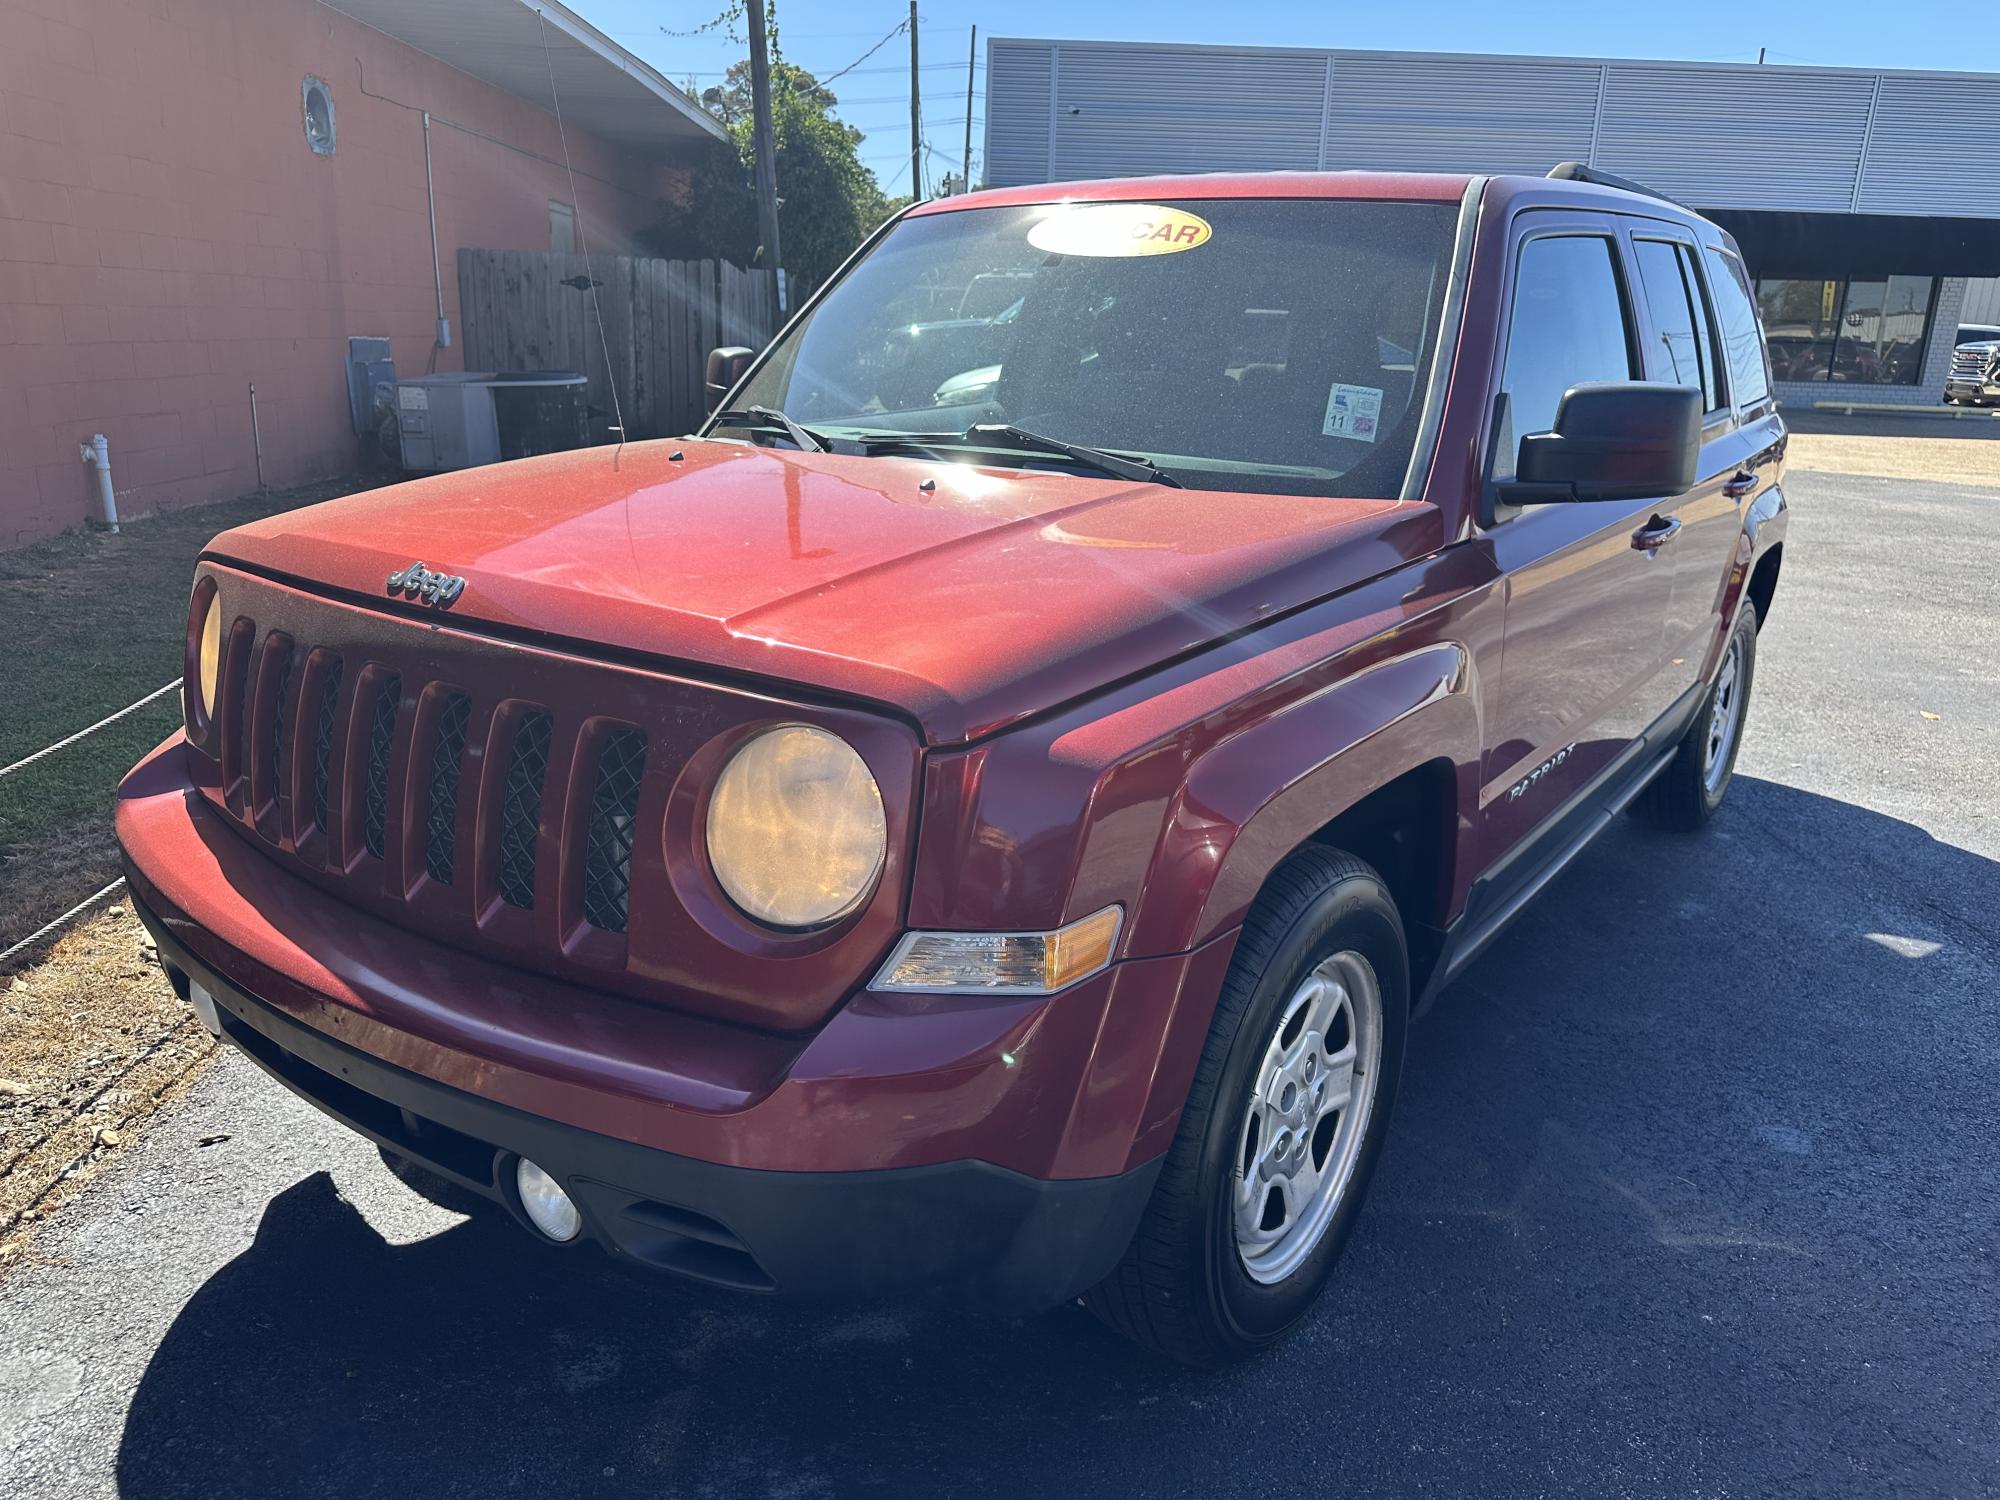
(894, 31)
(897, 68)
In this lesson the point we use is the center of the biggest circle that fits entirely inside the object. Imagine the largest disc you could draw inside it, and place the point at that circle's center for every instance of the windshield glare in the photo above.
(1285, 350)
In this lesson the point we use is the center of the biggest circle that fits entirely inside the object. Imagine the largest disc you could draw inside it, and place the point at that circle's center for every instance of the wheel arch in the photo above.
(1383, 764)
(1763, 585)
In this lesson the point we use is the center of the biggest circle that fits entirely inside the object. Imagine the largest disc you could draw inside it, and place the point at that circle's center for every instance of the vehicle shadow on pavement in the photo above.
(325, 1360)
(1690, 1191)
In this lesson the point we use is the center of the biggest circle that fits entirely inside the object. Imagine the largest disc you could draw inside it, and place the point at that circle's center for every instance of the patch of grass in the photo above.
(93, 622)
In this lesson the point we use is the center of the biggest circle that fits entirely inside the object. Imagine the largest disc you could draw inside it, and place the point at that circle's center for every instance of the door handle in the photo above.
(1738, 485)
(1656, 533)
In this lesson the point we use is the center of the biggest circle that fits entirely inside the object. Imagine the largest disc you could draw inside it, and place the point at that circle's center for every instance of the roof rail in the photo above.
(1576, 171)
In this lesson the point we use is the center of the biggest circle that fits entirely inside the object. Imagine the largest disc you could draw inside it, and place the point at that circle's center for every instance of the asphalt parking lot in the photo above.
(1694, 1190)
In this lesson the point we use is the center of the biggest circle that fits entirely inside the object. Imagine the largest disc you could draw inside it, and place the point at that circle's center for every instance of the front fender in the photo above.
(1174, 795)
(1254, 798)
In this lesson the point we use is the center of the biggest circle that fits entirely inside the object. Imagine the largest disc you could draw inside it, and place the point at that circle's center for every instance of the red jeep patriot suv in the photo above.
(982, 815)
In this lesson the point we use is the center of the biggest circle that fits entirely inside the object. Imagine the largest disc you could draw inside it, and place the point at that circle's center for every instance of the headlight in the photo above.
(796, 833)
(206, 634)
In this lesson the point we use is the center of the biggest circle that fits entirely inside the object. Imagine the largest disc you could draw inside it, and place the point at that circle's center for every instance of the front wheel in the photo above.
(1283, 1123)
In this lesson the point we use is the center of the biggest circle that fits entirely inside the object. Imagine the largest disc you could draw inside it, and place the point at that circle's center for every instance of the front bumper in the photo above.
(1003, 1147)
(998, 1239)
(1977, 391)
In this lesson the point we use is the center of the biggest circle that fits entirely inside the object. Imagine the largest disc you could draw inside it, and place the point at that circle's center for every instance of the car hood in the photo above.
(964, 597)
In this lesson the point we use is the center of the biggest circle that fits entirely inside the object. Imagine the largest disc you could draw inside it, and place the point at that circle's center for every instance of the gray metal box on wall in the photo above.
(369, 368)
(448, 421)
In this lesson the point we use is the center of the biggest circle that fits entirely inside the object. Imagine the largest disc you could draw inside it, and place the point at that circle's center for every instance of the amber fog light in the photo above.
(796, 832)
(205, 635)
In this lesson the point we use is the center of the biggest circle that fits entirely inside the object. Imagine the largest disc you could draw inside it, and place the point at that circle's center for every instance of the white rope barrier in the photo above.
(51, 927)
(64, 744)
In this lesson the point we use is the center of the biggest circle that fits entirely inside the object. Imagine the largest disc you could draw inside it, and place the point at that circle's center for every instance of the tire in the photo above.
(1187, 1286)
(1685, 795)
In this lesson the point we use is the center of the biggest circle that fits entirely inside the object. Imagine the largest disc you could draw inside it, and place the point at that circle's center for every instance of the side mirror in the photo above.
(1614, 440)
(725, 368)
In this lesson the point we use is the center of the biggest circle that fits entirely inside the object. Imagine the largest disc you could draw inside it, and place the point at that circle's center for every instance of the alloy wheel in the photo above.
(1725, 717)
(1306, 1117)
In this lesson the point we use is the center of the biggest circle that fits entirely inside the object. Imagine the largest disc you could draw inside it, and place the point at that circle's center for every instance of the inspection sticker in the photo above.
(1119, 229)
(1353, 411)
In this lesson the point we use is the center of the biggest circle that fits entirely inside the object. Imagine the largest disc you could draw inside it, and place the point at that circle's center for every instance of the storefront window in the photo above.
(1882, 331)
(1799, 320)
(1864, 332)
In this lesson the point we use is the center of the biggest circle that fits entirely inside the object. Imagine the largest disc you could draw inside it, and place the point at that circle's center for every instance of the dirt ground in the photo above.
(92, 1039)
(1959, 446)
(1946, 460)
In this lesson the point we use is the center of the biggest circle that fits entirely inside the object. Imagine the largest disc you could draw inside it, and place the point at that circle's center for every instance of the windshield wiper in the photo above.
(1118, 465)
(771, 416)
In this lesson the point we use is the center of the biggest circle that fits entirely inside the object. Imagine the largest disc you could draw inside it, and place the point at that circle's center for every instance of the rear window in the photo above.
(1742, 342)
(1682, 353)
(1279, 346)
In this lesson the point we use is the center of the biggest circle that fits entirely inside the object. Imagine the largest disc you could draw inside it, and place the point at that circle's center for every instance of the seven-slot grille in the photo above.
(350, 730)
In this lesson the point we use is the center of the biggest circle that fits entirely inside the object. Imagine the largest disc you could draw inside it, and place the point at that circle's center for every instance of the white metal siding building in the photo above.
(1863, 200)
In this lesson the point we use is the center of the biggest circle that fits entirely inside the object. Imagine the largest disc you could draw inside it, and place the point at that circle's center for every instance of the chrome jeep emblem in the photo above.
(420, 583)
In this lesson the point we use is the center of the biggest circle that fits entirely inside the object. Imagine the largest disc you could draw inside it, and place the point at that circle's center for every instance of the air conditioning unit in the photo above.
(462, 419)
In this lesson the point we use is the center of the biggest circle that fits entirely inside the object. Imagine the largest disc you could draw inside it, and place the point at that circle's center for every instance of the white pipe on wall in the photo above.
(97, 453)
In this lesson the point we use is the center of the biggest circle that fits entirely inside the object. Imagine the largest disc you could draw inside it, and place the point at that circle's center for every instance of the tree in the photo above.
(731, 102)
(828, 200)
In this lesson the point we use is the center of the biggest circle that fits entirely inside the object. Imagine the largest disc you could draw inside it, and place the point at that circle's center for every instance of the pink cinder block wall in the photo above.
(167, 236)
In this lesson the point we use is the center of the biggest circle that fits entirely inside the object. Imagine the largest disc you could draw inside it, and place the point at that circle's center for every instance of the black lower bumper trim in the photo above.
(998, 1239)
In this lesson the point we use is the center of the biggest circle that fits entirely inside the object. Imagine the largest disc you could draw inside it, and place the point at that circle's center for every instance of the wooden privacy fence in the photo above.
(526, 311)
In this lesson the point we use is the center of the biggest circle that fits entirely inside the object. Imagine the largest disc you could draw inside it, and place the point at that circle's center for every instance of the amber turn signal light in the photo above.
(1002, 963)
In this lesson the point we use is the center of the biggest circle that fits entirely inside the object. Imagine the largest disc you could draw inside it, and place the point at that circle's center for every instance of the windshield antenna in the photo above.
(583, 245)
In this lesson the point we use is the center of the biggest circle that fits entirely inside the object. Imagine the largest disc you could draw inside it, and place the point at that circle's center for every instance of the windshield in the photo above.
(1279, 346)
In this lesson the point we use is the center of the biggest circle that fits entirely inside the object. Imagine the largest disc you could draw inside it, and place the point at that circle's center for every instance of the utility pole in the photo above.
(916, 114)
(971, 56)
(766, 149)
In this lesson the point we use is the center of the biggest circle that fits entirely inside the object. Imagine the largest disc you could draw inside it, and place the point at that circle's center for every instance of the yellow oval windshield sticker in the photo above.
(1119, 229)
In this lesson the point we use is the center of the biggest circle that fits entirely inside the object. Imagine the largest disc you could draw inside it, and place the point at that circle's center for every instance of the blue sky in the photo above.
(826, 35)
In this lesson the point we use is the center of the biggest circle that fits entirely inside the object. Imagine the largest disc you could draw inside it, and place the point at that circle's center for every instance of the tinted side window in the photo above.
(1740, 340)
(1680, 355)
(1713, 391)
(1569, 326)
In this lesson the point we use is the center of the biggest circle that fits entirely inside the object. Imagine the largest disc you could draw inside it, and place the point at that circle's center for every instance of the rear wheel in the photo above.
(1686, 794)
(1282, 1125)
